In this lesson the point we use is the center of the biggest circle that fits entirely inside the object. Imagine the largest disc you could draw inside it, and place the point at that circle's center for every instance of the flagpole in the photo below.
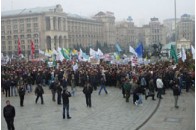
(175, 24)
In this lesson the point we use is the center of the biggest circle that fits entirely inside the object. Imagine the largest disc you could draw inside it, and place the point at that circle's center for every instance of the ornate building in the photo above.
(50, 28)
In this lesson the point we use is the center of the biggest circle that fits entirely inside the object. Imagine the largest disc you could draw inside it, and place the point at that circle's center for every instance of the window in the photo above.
(36, 46)
(9, 27)
(15, 21)
(15, 31)
(35, 19)
(3, 47)
(8, 22)
(16, 42)
(28, 35)
(2, 22)
(23, 47)
(10, 47)
(22, 36)
(21, 20)
(22, 42)
(28, 25)
(21, 26)
(15, 36)
(3, 43)
(9, 32)
(15, 26)
(28, 20)
(28, 30)
(36, 40)
(2, 27)
(35, 25)
(16, 47)
(9, 42)
(35, 35)
(9, 37)
(2, 32)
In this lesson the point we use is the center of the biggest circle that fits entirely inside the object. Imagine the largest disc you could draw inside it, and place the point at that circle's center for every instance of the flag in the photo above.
(139, 50)
(92, 52)
(183, 54)
(54, 52)
(80, 55)
(117, 57)
(41, 52)
(19, 48)
(173, 53)
(32, 49)
(193, 51)
(118, 47)
(47, 53)
(132, 50)
(179, 55)
(64, 54)
(60, 56)
(74, 52)
(99, 52)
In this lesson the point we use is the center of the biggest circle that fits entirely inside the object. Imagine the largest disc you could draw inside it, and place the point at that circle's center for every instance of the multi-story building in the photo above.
(50, 28)
(186, 28)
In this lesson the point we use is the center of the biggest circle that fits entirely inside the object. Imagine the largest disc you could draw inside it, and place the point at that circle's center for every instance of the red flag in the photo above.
(32, 49)
(19, 48)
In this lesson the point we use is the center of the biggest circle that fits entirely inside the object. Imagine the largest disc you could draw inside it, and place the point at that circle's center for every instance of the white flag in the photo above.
(92, 52)
(41, 52)
(80, 55)
(55, 52)
(193, 51)
(99, 52)
(183, 54)
(132, 50)
(60, 55)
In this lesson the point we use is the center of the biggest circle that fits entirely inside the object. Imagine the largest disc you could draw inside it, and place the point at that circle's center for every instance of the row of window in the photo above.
(16, 47)
(15, 21)
(36, 41)
(22, 26)
(21, 36)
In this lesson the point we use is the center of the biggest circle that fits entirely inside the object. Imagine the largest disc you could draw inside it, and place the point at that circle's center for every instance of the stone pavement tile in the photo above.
(108, 112)
(170, 118)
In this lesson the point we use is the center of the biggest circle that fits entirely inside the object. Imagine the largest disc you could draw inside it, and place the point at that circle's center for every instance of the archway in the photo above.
(48, 43)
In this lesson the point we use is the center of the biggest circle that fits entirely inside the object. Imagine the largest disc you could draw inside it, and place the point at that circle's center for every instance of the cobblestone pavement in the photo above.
(108, 112)
(169, 118)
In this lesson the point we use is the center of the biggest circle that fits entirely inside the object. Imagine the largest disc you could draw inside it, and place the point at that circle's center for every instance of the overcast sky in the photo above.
(140, 10)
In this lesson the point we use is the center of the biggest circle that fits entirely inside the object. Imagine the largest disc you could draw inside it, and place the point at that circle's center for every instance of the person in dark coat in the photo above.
(9, 114)
(65, 96)
(39, 91)
(21, 92)
(176, 93)
(127, 88)
(53, 90)
(88, 91)
(59, 90)
(7, 87)
(151, 92)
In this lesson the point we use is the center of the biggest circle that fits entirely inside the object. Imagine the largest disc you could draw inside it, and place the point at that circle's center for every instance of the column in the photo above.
(56, 23)
(51, 23)
(62, 25)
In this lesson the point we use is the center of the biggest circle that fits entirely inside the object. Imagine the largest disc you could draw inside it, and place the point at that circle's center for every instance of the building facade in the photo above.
(50, 28)
(186, 29)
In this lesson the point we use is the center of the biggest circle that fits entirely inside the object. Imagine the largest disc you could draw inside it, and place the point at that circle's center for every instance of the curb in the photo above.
(158, 104)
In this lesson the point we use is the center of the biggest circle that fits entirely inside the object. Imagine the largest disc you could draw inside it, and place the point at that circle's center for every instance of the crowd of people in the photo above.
(19, 78)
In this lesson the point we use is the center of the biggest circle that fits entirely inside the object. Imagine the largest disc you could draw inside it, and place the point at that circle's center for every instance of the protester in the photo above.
(39, 91)
(127, 88)
(21, 92)
(102, 84)
(9, 114)
(88, 91)
(65, 96)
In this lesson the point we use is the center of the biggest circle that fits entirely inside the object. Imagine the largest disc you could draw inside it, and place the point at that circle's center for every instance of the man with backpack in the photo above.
(9, 114)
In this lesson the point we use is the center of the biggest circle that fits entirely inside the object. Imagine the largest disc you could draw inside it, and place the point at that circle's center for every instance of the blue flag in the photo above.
(139, 50)
(118, 47)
